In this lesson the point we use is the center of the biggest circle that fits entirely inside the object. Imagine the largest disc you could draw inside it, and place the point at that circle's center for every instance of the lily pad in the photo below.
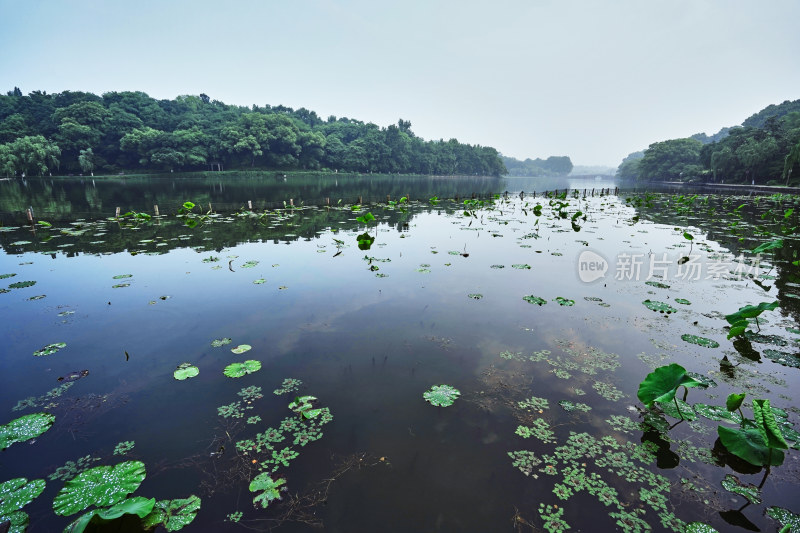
(564, 301)
(122, 276)
(714, 412)
(22, 284)
(750, 492)
(686, 410)
(661, 307)
(700, 341)
(241, 348)
(16, 494)
(521, 266)
(441, 395)
(531, 299)
(185, 371)
(683, 301)
(237, 370)
(783, 358)
(785, 517)
(657, 284)
(270, 489)
(475, 296)
(5, 276)
(259, 281)
(216, 343)
(25, 428)
(101, 486)
(50, 349)
(137, 505)
(173, 514)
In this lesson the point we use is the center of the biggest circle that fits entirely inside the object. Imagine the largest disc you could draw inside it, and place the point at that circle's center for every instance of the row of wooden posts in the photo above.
(601, 192)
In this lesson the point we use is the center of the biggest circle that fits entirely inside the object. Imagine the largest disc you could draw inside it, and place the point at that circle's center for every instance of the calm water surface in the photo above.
(437, 299)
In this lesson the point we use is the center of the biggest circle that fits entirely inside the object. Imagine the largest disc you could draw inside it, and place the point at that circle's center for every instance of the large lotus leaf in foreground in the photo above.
(25, 428)
(661, 384)
(137, 505)
(749, 444)
(100, 486)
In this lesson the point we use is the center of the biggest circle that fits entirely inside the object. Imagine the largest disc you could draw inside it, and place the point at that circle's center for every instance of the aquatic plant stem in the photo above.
(677, 406)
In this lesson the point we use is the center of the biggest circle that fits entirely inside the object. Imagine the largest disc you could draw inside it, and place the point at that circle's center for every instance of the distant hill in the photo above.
(765, 149)
(552, 166)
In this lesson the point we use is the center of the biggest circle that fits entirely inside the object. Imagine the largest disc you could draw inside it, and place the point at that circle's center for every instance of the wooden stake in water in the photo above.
(117, 213)
(155, 209)
(291, 202)
(249, 205)
(29, 212)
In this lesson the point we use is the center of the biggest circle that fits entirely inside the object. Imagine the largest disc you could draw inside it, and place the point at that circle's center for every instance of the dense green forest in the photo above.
(765, 149)
(552, 166)
(74, 132)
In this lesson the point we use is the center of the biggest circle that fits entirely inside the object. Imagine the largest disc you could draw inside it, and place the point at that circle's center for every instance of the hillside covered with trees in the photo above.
(765, 149)
(552, 166)
(73, 132)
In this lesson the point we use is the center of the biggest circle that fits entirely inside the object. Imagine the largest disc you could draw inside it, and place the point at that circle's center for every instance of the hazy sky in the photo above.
(594, 80)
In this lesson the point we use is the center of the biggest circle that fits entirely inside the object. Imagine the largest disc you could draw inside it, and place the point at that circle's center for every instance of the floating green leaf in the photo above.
(783, 358)
(101, 486)
(564, 301)
(475, 296)
(670, 408)
(699, 527)
(441, 395)
(50, 349)
(185, 371)
(661, 307)
(657, 284)
(216, 343)
(259, 281)
(25, 428)
(237, 370)
(521, 266)
(531, 299)
(683, 301)
(122, 276)
(173, 514)
(786, 519)
(242, 348)
(22, 284)
(700, 341)
(14, 495)
(662, 384)
(732, 484)
(270, 489)
(716, 413)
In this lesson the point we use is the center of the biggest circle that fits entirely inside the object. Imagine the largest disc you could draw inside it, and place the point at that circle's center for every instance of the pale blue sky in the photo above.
(589, 79)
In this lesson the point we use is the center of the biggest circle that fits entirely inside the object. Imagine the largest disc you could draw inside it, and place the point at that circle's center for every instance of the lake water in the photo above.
(369, 315)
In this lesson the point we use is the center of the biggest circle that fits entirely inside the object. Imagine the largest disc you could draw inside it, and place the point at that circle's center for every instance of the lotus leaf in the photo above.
(700, 341)
(185, 371)
(786, 518)
(749, 444)
(302, 404)
(657, 284)
(441, 395)
(683, 301)
(271, 489)
(732, 484)
(699, 527)
(686, 410)
(14, 495)
(531, 299)
(25, 428)
(783, 358)
(50, 349)
(101, 486)
(4, 276)
(174, 514)
(242, 348)
(216, 343)
(765, 420)
(137, 505)
(564, 301)
(734, 401)
(713, 412)
(662, 384)
(123, 276)
(521, 266)
(237, 370)
(22, 284)
(259, 281)
(661, 307)
(475, 296)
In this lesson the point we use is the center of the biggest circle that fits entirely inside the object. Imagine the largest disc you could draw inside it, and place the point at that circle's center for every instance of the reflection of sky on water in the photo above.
(368, 346)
